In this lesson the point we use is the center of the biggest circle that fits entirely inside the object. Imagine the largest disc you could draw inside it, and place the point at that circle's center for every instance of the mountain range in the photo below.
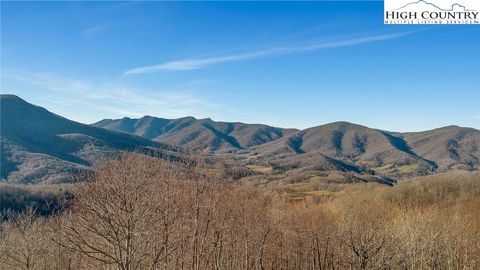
(198, 134)
(41, 147)
(438, 149)
(38, 146)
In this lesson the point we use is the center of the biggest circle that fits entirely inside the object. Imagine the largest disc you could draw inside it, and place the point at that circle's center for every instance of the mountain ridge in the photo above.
(361, 145)
(39, 146)
(37, 143)
(197, 134)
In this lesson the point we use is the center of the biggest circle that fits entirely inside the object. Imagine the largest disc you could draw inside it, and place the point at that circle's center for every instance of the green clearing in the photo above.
(407, 168)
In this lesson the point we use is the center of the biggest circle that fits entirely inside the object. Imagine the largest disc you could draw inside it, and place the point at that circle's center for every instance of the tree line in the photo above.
(138, 212)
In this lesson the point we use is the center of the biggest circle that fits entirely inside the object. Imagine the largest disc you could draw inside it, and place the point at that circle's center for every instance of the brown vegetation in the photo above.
(138, 212)
(45, 199)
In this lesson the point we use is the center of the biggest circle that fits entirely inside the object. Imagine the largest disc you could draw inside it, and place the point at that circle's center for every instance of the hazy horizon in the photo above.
(216, 120)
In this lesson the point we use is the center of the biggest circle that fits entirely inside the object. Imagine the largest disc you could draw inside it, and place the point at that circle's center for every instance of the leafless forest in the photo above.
(138, 212)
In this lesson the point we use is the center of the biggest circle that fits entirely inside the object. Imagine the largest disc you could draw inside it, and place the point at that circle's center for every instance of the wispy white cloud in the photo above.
(199, 63)
(189, 64)
(93, 30)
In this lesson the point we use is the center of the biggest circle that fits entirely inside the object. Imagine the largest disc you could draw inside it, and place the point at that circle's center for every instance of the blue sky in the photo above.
(285, 64)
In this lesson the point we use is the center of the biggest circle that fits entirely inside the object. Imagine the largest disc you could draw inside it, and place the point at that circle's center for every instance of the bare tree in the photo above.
(120, 216)
(138, 212)
(22, 241)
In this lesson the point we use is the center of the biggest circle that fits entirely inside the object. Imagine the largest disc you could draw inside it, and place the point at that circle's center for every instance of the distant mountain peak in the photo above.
(9, 96)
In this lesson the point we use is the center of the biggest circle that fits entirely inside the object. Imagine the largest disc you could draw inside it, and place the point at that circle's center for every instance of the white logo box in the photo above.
(432, 12)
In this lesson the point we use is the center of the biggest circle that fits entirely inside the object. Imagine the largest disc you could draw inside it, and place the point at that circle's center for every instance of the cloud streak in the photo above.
(96, 29)
(199, 63)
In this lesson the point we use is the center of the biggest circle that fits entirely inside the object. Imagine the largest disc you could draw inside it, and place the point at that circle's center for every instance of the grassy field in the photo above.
(407, 168)
(260, 169)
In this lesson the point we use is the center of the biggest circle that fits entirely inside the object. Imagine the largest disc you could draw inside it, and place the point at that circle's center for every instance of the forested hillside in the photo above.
(138, 212)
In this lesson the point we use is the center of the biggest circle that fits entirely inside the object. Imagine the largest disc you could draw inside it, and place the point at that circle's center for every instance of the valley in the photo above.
(41, 147)
(239, 135)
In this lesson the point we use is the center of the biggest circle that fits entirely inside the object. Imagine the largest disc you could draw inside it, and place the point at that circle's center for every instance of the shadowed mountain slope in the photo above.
(427, 151)
(341, 140)
(448, 146)
(342, 146)
(40, 146)
(197, 134)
